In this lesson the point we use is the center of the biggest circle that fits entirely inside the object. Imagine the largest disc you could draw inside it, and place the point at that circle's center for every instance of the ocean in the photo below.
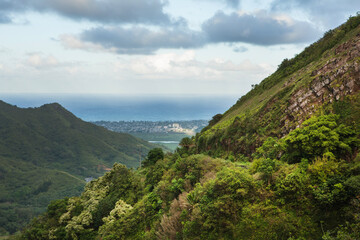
(129, 108)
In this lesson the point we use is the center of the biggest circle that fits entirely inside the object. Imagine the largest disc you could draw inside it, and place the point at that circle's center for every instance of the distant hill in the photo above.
(47, 152)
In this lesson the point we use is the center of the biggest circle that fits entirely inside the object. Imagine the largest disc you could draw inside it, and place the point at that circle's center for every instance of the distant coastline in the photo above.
(166, 133)
(190, 127)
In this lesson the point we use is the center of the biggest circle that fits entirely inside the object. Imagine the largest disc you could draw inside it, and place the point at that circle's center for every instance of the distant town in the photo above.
(186, 127)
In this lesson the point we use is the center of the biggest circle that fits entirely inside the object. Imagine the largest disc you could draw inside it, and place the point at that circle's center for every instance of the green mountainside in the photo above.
(46, 153)
(282, 163)
(323, 78)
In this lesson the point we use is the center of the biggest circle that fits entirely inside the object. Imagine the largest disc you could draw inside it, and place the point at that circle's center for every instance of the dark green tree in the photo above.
(215, 119)
(186, 143)
(153, 156)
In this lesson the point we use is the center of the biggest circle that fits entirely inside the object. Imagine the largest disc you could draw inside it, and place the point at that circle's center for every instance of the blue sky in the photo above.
(142, 47)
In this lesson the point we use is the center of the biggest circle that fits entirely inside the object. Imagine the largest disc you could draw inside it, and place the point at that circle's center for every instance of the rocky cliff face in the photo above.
(338, 77)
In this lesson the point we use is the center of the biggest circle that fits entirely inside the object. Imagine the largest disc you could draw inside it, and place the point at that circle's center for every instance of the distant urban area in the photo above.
(186, 127)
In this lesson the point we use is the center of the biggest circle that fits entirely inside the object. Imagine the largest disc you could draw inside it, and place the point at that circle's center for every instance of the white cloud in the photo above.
(72, 42)
(185, 65)
(169, 65)
(166, 73)
(40, 62)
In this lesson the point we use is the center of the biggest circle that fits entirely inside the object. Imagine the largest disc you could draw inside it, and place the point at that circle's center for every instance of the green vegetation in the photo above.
(185, 196)
(321, 136)
(277, 165)
(153, 156)
(46, 153)
(26, 190)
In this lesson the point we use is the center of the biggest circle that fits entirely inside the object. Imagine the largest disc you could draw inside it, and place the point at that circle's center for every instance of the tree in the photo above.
(271, 148)
(267, 168)
(186, 143)
(153, 156)
(215, 119)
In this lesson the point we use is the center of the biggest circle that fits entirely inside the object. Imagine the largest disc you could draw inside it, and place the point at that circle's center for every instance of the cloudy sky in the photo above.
(136, 47)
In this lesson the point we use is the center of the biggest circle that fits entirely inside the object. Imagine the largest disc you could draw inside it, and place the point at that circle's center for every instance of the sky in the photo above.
(155, 47)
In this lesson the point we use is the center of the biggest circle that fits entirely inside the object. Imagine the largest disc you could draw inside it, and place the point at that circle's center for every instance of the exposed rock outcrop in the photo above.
(337, 78)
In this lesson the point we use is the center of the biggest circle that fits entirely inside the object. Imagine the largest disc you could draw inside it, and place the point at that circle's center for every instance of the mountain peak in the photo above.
(54, 105)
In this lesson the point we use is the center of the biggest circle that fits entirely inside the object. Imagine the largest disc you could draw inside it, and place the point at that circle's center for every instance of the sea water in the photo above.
(129, 108)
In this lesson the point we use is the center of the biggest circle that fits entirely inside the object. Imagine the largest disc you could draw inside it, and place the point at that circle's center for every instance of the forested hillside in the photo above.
(282, 163)
(46, 153)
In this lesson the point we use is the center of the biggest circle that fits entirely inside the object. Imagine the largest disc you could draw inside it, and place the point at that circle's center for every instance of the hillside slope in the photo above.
(46, 153)
(292, 169)
(324, 77)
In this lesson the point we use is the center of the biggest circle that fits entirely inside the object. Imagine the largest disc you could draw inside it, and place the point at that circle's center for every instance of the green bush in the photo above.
(318, 136)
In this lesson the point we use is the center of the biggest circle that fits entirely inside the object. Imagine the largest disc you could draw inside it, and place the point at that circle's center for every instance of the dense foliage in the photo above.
(280, 195)
(320, 136)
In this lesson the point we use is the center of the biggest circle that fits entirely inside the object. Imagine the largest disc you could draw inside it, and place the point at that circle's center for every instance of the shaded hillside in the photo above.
(325, 77)
(49, 135)
(47, 152)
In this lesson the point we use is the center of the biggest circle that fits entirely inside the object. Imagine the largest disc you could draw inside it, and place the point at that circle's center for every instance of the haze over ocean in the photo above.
(129, 108)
